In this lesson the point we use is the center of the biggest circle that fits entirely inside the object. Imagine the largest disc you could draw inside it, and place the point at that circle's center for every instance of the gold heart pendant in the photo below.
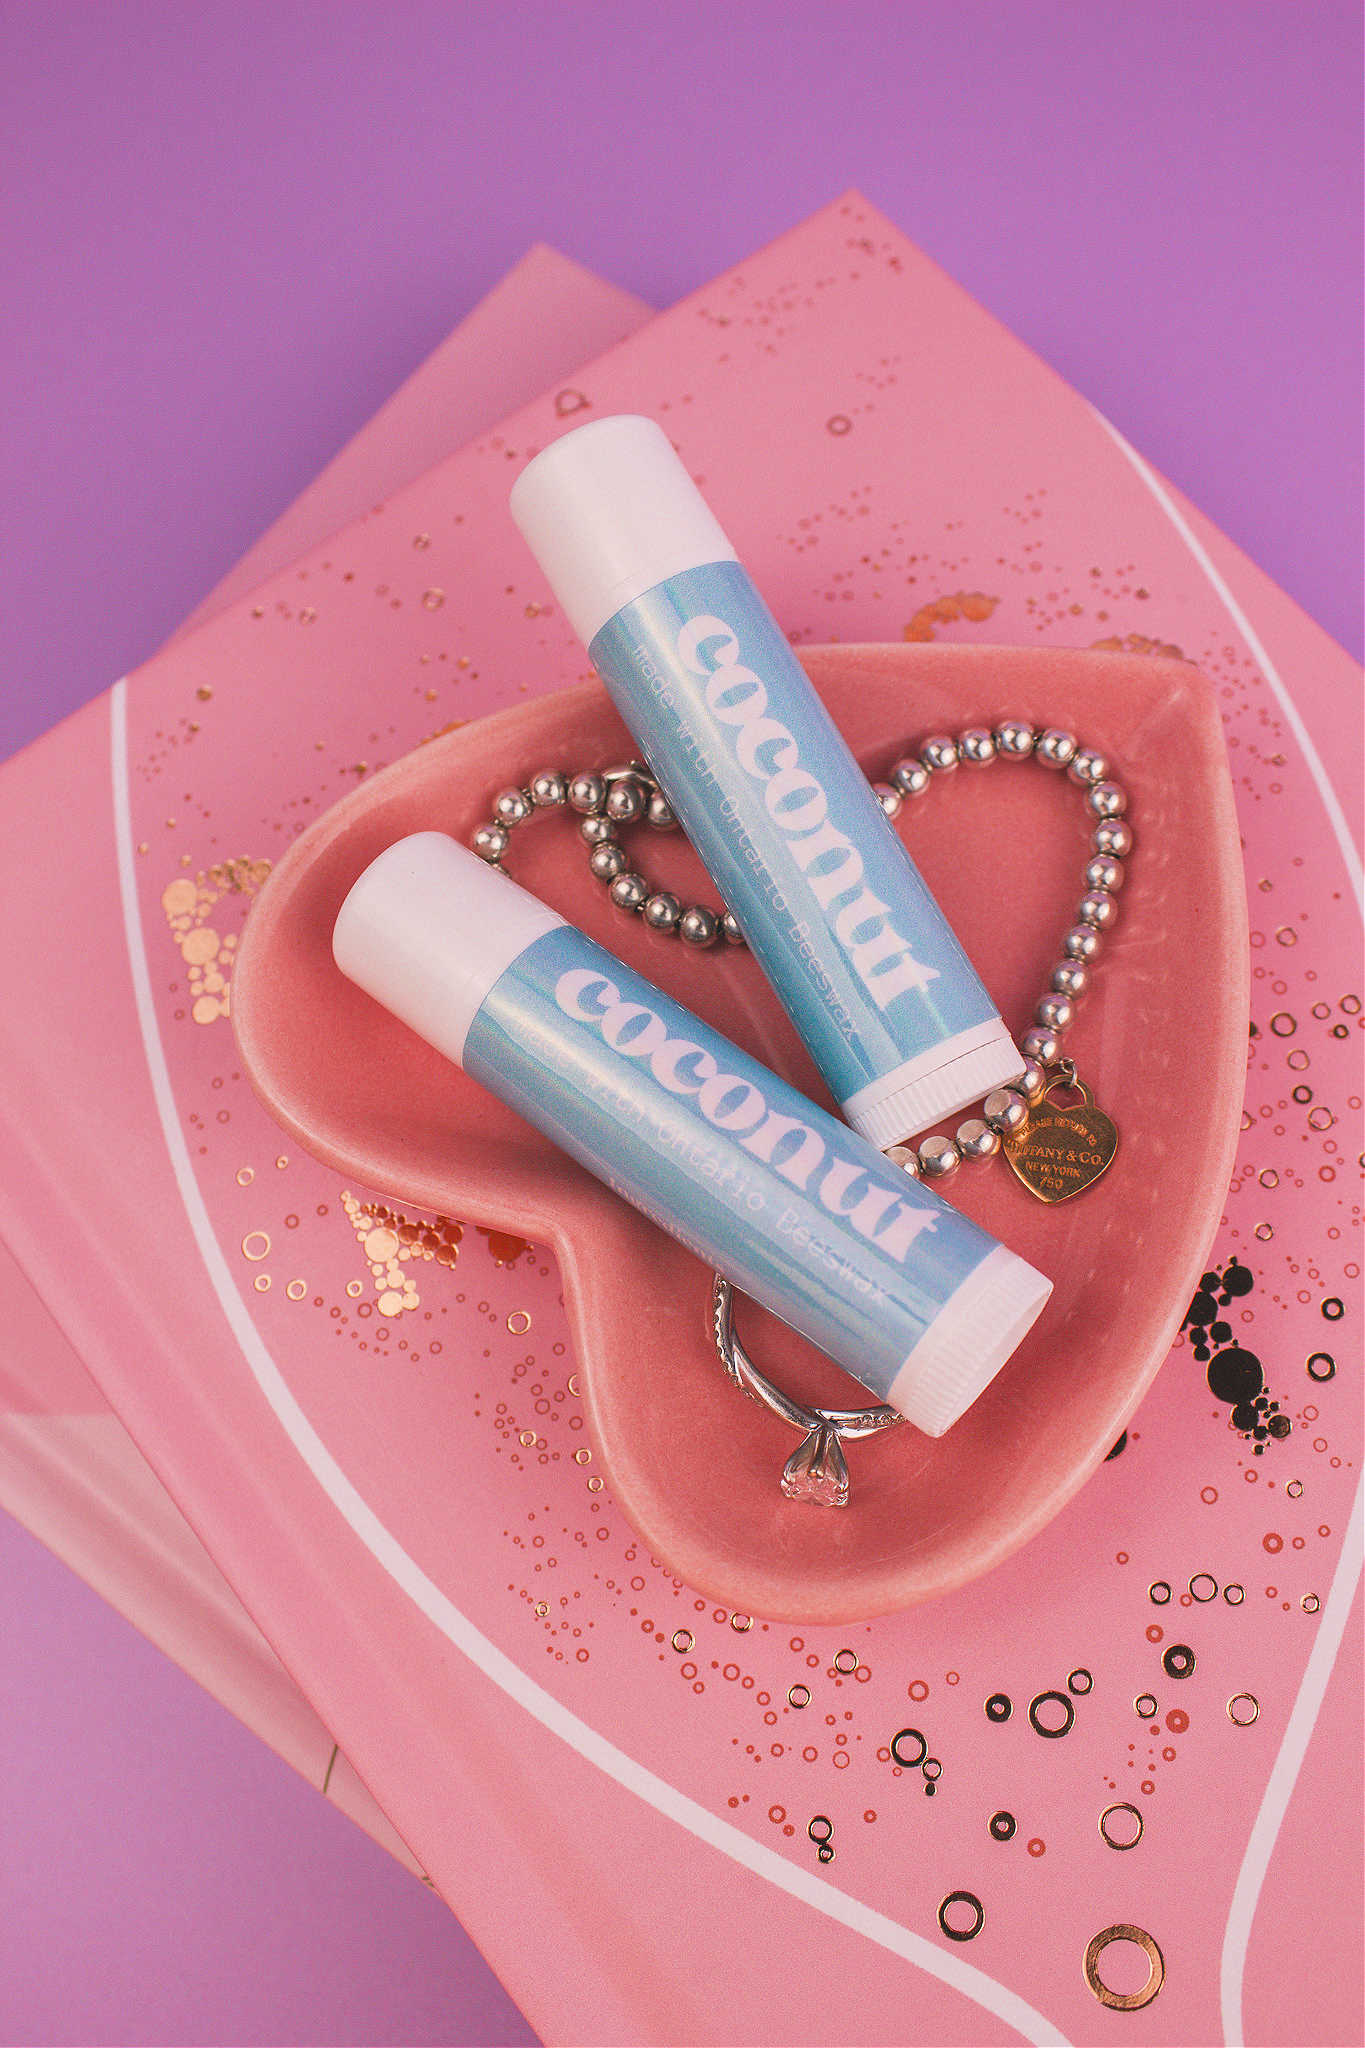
(1065, 1147)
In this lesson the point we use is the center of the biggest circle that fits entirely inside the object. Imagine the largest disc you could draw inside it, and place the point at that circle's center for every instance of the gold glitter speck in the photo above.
(179, 897)
(973, 605)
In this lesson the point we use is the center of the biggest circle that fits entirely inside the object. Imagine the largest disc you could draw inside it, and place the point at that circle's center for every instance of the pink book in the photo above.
(623, 1825)
(69, 1471)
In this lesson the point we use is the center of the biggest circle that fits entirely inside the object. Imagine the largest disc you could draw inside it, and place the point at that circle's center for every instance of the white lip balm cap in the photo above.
(608, 512)
(970, 1338)
(935, 1084)
(427, 930)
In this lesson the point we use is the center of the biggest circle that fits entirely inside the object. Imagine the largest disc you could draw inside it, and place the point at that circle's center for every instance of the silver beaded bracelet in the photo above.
(1056, 1149)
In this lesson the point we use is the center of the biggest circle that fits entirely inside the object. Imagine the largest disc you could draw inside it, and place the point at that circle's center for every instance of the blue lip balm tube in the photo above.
(761, 780)
(795, 1208)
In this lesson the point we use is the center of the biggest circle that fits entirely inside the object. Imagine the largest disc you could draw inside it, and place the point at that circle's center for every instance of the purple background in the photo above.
(232, 230)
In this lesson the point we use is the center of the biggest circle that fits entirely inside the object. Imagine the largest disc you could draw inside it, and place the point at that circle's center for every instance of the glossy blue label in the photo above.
(790, 1204)
(767, 791)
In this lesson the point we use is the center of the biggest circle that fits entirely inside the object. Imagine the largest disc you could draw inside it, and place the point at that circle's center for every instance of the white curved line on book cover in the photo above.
(1299, 1728)
(439, 1609)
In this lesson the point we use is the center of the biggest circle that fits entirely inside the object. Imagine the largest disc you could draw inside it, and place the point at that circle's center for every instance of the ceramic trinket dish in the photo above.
(1161, 1039)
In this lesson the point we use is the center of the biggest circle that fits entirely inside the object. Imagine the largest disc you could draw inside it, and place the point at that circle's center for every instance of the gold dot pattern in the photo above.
(972, 605)
(206, 950)
(1140, 643)
(393, 1243)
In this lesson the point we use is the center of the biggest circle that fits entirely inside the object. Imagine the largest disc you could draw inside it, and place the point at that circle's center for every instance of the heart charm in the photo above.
(1064, 1148)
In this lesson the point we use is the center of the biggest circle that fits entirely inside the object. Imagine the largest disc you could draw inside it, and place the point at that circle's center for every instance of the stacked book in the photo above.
(326, 1450)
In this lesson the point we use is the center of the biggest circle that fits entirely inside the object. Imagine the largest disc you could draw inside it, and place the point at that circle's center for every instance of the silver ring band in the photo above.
(817, 1470)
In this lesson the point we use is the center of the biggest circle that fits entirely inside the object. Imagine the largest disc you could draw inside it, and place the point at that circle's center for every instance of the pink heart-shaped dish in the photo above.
(1161, 1040)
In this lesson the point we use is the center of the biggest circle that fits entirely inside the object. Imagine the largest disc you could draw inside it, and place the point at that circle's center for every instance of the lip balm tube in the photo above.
(796, 1209)
(763, 783)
